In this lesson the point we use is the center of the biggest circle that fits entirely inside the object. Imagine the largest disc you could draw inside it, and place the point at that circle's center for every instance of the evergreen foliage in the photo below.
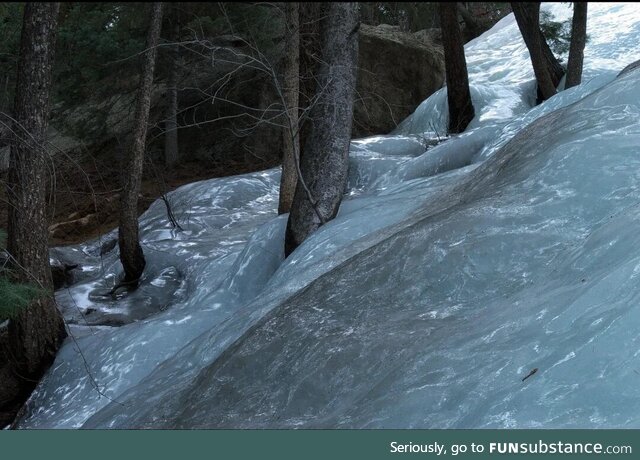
(557, 33)
(14, 296)
(409, 16)
(261, 25)
(94, 41)
(415, 16)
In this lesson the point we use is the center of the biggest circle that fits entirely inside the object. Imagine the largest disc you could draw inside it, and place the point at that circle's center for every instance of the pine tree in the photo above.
(546, 67)
(131, 255)
(34, 332)
(291, 88)
(461, 110)
(325, 160)
(578, 41)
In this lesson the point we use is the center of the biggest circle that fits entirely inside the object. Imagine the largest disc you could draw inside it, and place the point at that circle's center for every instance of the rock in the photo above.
(58, 274)
(631, 67)
(62, 273)
(433, 35)
(57, 143)
(397, 71)
(108, 246)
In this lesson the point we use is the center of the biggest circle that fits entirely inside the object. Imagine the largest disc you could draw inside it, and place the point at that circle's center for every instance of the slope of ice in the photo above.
(500, 56)
(445, 278)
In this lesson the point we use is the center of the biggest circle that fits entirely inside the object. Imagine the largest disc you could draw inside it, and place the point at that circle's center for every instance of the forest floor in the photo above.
(84, 204)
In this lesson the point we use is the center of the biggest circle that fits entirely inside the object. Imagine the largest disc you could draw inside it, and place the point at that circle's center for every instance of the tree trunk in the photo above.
(310, 37)
(37, 331)
(171, 155)
(473, 27)
(527, 16)
(131, 254)
(461, 110)
(367, 12)
(556, 71)
(291, 88)
(578, 40)
(325, 160)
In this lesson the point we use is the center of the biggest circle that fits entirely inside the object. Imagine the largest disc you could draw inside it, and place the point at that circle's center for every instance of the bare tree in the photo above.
(291, 88)
(292, 110)
(36, 332)
(578, 41)
(461, 110)
(289, 109)
(546, 67)
(324, 163)
(131, 254)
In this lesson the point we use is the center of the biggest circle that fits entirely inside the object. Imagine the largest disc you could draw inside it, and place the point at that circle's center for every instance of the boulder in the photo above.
(397, 71)
(62, 273)
(57, 143)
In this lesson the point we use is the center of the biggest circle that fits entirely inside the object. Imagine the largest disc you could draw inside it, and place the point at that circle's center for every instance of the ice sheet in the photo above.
(449, 273)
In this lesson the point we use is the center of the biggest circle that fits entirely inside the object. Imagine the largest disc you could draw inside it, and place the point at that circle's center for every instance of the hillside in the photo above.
(450, 272)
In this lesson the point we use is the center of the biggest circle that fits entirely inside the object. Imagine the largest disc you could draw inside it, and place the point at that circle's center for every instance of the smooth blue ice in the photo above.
(449, 273)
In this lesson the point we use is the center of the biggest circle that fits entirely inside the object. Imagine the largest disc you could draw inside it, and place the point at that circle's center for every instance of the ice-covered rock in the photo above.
(449, 273)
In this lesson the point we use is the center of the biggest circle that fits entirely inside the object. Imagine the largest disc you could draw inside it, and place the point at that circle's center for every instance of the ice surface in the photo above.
(449, 273)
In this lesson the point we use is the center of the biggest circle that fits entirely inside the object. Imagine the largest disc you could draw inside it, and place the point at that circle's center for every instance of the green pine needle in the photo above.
(14, 297)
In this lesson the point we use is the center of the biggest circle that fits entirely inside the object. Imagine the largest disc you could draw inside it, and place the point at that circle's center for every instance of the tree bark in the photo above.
(131, 254)
(325, 160)
(291, 88)
(472, 25)
(578, 41)
(461, 110)
(37, 331)
(171, 153)
(527, 16)
(311, 14)
(555, 69)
